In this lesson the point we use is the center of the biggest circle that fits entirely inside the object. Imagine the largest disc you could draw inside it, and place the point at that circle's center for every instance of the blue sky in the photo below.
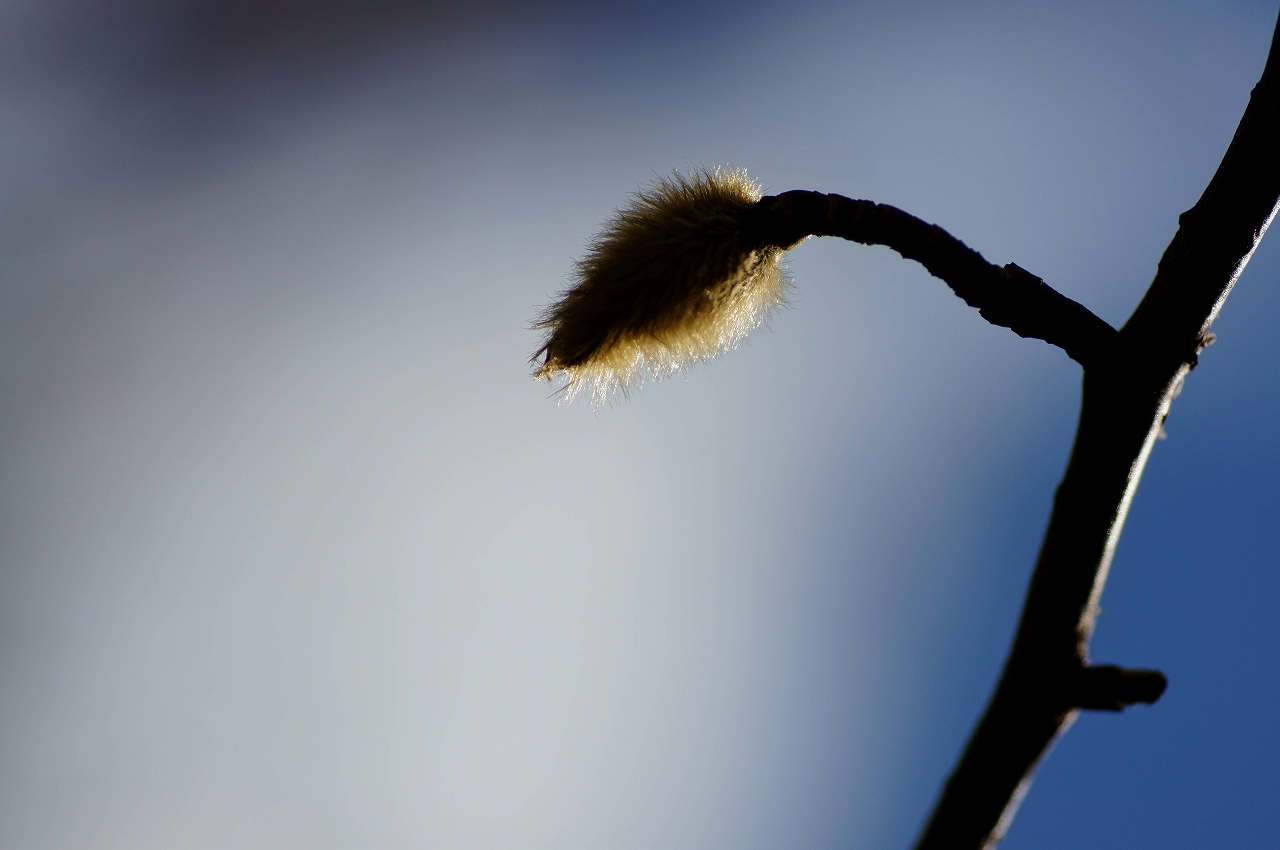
(294, 554)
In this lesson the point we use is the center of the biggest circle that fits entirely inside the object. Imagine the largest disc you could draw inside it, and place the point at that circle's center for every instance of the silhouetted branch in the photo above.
(692, 265)
(1126, 397)
(1109, 688)
(1010, 297)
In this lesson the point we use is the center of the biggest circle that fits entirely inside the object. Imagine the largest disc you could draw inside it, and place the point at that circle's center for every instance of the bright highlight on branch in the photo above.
(672, 280)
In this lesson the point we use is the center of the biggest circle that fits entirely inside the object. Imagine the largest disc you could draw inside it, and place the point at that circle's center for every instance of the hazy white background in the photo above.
(294, 554)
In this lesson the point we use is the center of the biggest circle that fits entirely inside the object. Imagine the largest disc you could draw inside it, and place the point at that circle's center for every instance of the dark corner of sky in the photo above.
(195, 44)
(147, 81)
(189, 76)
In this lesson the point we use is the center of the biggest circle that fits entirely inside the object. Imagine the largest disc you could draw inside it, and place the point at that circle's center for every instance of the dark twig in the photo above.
(1010, 297)
(1126, 398)
(692, 265)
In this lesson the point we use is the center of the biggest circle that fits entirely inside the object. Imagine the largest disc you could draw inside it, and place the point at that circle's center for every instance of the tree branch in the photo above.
(1010, 297)
(692, 265)
(1110, 688)
(1126, 397)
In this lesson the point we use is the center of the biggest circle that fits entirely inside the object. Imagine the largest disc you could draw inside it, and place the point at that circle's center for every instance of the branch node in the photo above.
(1110, 688)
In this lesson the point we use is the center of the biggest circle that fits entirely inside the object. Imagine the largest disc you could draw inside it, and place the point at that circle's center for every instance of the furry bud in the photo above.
(674, 279)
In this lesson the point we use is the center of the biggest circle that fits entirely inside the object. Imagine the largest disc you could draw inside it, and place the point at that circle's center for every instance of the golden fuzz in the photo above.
(669, 282)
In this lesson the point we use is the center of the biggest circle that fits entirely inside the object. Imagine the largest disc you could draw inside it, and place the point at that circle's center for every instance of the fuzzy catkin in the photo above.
(670, 281)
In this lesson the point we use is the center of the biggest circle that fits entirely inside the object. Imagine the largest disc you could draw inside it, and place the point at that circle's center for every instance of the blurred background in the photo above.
(293, 554)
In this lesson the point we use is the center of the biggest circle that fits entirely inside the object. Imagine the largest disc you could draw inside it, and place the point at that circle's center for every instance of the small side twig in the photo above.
(1109, 688)
(1010, 297)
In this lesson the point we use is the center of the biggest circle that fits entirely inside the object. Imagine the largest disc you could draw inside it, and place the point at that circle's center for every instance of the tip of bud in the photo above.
(670, 281)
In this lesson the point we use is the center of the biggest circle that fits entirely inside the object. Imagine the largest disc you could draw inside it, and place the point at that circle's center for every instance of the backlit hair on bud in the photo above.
(671, 280)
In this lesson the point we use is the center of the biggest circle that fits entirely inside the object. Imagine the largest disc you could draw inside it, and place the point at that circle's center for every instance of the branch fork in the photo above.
(693, 265)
